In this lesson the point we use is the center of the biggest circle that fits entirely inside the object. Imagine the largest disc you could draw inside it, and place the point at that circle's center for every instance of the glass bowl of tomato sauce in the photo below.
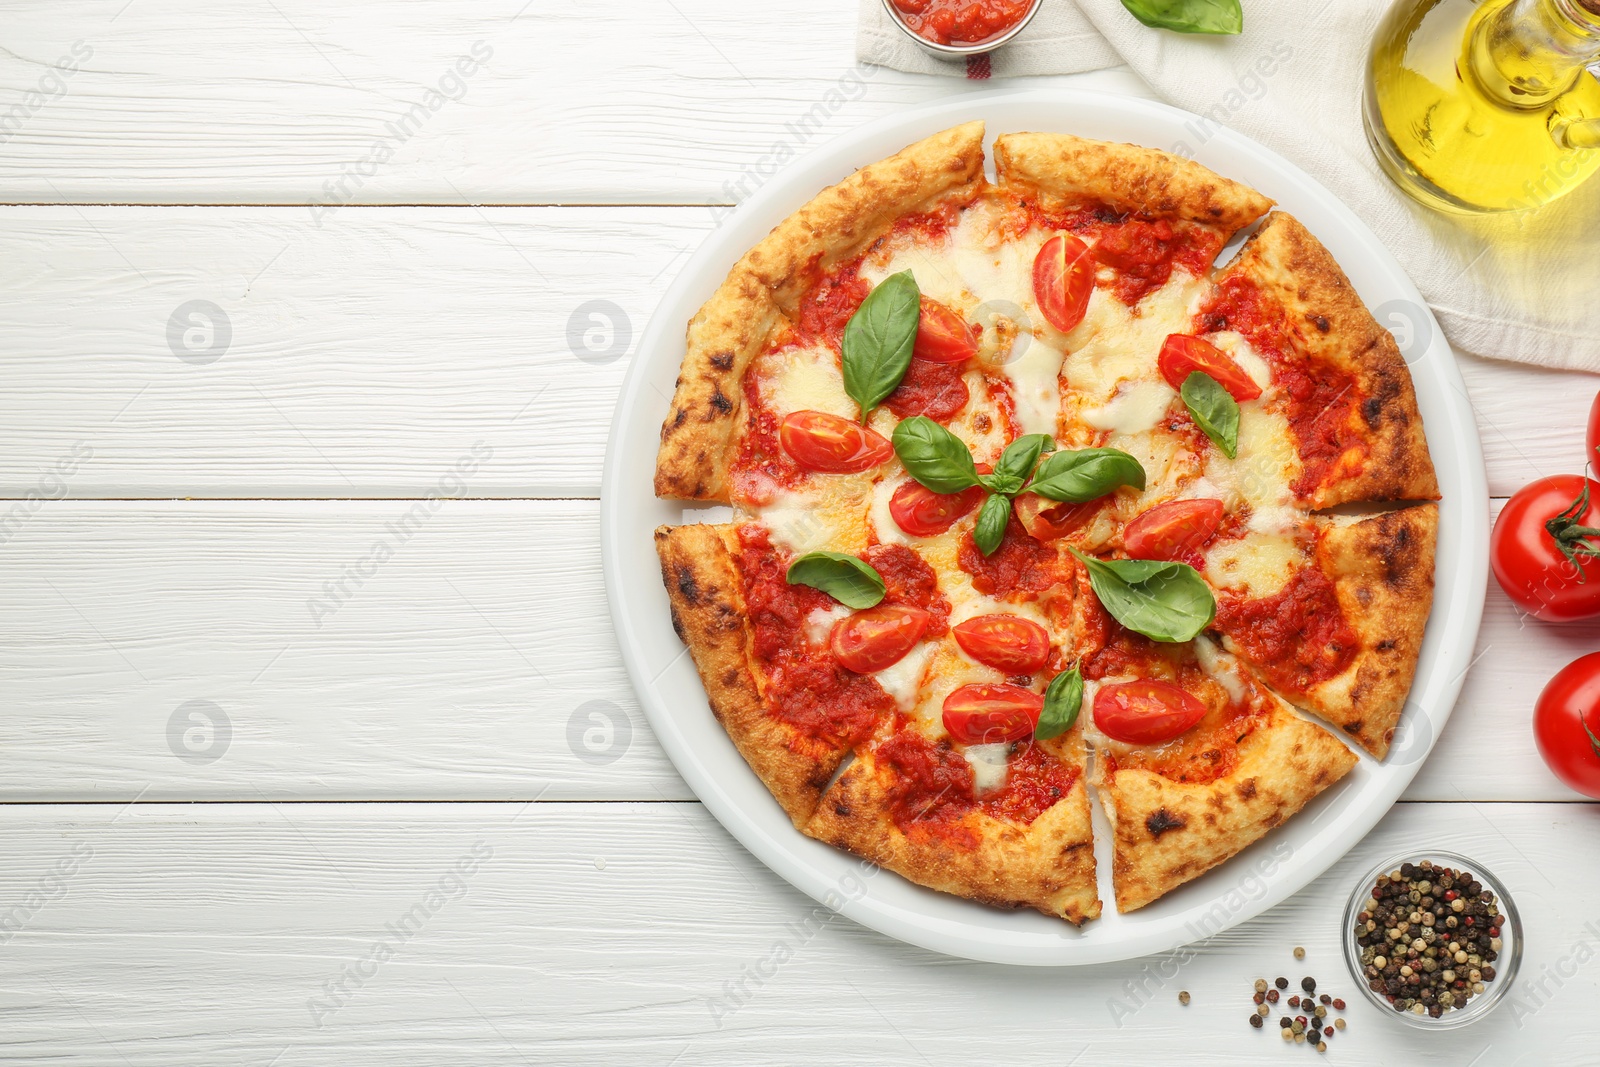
(953, 28)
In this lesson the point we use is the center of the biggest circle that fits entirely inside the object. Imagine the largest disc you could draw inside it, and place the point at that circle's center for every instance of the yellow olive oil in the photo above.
(1483, 107)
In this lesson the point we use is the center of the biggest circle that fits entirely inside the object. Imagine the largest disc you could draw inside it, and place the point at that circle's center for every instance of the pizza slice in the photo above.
(1008, 825)
(1330, 610)
(762, 649)
(1194, 759)
(1337, 421)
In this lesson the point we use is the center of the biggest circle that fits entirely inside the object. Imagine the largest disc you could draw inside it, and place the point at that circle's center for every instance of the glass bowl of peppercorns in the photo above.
(1433, 938)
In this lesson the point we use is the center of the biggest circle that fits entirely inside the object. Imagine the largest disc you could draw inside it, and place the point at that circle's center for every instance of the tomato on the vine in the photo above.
(1543, 548)
(1592, 438)
(1566, 724)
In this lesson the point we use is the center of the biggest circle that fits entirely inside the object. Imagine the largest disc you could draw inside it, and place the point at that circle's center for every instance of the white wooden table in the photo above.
(274, 796)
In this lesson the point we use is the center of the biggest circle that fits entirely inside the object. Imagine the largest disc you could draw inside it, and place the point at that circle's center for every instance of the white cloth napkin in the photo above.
(1522, 287)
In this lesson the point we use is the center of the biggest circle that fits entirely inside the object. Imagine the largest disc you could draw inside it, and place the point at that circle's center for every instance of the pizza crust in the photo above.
(708, 613)
(764, 287)
(1047, 865)
(1064, 171)
(1332, 324)
(1165, 833)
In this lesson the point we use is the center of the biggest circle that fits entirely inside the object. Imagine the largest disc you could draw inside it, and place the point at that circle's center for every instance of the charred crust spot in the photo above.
(722, 361)
(677, 626)
(1321, 323)
(1386, 645)
(1246, 789)
(1372, 411)
(730, 677)
(720, 404)
(841, 809)
(679, 415)
(688, 588)
(1161, 820)
(1353, 726)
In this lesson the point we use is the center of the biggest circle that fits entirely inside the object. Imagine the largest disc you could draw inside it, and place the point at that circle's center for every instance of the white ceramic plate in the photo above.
(1268, 872)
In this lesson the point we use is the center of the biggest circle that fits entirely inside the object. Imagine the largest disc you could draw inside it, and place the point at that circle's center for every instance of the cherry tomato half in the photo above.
(1007, 643)
(1046, 520)
(1063, 279)
(1172, 530)
(822, 442)
(991, 712)
(1528, 561)
(1182, 355)
(878, 637)
(1145, 712)
(1566, 722)
(943, 336)
(921, 512)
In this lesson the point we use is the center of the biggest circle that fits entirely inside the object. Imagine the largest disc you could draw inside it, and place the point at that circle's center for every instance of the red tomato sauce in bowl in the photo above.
(961, 22)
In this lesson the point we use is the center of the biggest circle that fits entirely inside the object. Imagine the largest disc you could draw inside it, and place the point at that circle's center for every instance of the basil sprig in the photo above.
(941, 461)
(1164, 601)
(1189, 16)
(1086, 474)
(852, 582)
(1016, 463)
(1063, 698)
(1213, 409)
(878, 340)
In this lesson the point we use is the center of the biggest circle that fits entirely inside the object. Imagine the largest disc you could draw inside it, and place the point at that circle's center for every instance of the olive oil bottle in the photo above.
(1486, 107)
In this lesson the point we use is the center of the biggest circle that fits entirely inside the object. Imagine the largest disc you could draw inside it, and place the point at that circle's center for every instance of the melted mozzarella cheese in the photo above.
(1113, 344)
(1257, 564)
(883, 523)
(903, 680)
(831, 513)
(1266, 465)
(1221, 667)
(819, 624)
(806, 379)
(988, 763)
(1241, 352)
(1136, 408)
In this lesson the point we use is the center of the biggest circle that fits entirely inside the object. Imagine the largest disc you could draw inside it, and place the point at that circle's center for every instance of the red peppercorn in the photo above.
(1338, 1004)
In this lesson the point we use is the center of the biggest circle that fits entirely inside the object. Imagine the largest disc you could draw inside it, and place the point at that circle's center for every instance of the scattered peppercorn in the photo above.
(1308, 984)
(1294, 1002)
(1427, 936)
(1338, 1024)
(1261, 985)
(1255, 1021)
(1272, 996)
(1338, 1004)
(1183, 996)
(1281, 982)
(1299, 953)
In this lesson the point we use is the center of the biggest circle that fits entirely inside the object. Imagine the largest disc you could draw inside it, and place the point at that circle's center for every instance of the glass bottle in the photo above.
(1485, 107)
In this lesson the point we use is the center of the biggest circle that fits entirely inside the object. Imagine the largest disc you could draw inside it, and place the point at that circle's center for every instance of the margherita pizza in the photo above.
(1031, 497)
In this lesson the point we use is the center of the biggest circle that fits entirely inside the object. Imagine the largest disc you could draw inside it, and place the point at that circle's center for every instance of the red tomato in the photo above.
(1566, 723)
(1007, 643)
(1047, 520)
(943, 336)
(990, 712)
(1182, 355)
(822, 442)
(1145, 712)
(1525, 549)
(1172, 530)
(921, 512)
(1592, 438)
(878, 637)
(1063, 279)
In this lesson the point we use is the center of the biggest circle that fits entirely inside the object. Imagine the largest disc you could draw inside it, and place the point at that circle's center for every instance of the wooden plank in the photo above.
(595, 934)
(309, 104)
(478, 662)
(365, 356)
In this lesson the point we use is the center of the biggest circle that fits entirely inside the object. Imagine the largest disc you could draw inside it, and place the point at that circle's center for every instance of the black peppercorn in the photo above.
(1308, 984)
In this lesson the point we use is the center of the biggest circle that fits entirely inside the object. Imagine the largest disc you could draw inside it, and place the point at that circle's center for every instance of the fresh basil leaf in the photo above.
(1189, 16)
(1213, 409)
(1018, 460)
(848, 580)
(934, 456)
(1164, 601)
(1063, 698)
(992, 519)
(878, 340)
(1085, 474)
